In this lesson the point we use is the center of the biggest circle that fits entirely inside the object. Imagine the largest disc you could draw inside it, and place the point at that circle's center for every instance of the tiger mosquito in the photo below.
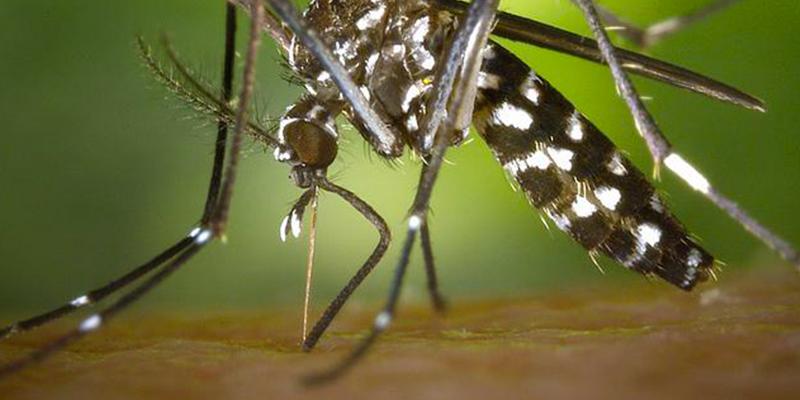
(434, 73)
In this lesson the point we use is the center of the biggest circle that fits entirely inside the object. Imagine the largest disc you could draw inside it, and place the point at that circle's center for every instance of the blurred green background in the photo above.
(101, 167)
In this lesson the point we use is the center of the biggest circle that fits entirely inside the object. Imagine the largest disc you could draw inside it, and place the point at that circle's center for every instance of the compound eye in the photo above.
(307, 134)
(310, 144)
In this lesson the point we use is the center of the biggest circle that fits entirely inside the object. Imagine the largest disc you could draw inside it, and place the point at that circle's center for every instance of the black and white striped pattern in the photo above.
(565, 165)
(572, 172)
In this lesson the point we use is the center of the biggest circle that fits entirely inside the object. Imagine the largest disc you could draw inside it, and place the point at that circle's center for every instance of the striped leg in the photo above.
(539, 34)
(377, 254)
(94, 321)
(662, 151)
(442, 119)
(212, 222)
(112, 287)
(437, 300)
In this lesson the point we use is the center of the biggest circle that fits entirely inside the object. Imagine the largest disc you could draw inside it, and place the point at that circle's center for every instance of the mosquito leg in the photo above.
(97, 294)
(526, 30)
(437, 300)
(380, 249)
(271, 25)
(219, 217)
(467, 44)
(654, 33)
(213, 224)
(104, 291)
(382, 320)
(222, 126)
(662, 151)
(94, 321)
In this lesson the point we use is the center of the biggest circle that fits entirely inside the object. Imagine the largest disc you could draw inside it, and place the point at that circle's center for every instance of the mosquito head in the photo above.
(307, 139)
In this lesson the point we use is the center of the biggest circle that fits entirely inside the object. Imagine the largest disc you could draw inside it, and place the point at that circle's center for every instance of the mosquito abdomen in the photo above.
(573, 173)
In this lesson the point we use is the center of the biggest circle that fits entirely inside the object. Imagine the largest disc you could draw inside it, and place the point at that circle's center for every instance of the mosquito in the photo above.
(415, 75)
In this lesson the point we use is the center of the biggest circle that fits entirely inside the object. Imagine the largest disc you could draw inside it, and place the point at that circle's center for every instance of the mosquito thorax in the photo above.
(354, 30)
(391, 50)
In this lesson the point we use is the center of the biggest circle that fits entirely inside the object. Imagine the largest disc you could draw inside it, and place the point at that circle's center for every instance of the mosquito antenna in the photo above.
(252, 128)
(199, 97)
(312, 241)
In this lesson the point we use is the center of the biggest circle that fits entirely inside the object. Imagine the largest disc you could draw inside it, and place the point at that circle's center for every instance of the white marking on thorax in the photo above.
(397, 51)
(371, 18)
(488, 81)
(323, 76)
(371, 61)
(687, 172)
(424, 59)
(511, 115)
(420, 29)
(345, 50)
(411, 93)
